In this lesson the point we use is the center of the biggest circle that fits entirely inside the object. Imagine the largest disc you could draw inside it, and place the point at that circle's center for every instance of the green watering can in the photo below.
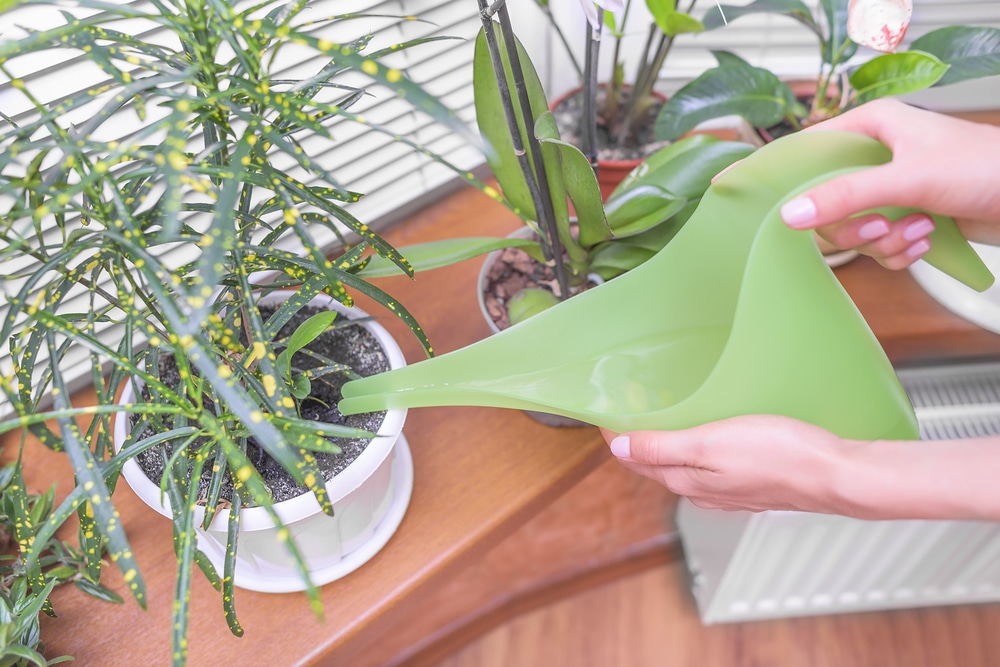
(737, 315)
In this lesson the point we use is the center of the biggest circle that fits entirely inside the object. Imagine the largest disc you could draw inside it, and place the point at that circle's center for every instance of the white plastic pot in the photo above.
(369, 497)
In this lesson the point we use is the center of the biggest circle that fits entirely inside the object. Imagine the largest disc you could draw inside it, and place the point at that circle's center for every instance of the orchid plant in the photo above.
(941, 57)
(539, 174)
(621, 106)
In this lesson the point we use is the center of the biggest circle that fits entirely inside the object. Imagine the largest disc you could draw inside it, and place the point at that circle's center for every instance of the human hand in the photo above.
(940, 164)
(756, 462)
(769, 462)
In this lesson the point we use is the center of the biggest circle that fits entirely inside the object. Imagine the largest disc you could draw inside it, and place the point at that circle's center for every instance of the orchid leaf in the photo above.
(492, 120)
(579, 181)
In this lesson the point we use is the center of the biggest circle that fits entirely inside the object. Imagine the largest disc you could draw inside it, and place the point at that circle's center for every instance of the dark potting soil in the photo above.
(638, 145)
(513, 271)
(351, 345)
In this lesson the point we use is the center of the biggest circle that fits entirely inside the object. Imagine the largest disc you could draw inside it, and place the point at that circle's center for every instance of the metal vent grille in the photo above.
(955, 400)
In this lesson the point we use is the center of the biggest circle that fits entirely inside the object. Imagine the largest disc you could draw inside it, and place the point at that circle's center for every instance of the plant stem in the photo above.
(589, 138)
(536, 181)
(565, 42)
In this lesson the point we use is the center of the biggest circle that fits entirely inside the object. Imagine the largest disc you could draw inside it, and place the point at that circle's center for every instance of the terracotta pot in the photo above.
(609, 172)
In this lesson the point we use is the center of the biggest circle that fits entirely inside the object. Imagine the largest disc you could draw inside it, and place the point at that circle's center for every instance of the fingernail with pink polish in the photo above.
(873, 230)
(621, 447)
(918, 229)
(799, 212)
(918, 249)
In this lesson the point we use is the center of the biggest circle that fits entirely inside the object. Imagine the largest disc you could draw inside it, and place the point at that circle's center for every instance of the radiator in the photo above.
(746, 566)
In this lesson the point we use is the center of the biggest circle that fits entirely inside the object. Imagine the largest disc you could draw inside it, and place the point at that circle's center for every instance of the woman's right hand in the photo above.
(941, 164)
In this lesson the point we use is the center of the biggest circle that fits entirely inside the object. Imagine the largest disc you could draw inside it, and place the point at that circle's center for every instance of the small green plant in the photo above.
(944, 56)
(217, 173)
(25, 585)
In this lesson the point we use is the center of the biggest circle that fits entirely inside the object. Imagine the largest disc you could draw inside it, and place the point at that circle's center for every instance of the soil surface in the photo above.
(352, 345)
(513, 271)
(639, 144)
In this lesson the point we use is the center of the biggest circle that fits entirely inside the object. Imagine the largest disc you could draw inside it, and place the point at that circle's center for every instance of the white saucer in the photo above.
(288, 580)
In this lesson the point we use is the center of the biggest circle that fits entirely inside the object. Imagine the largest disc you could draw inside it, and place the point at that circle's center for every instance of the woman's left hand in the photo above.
(755, 462)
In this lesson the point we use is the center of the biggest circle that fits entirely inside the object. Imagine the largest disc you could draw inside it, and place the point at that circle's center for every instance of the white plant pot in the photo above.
(369, 497)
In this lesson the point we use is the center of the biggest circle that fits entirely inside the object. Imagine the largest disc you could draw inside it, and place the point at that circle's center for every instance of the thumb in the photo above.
(661, 448)
(843, 196)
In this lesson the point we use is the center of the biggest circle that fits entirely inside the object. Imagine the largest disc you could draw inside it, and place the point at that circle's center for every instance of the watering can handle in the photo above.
(950, 252)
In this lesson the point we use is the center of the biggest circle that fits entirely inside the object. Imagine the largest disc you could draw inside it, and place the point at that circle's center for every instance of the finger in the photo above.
(855, 232)
(841, 197)
(907, 257)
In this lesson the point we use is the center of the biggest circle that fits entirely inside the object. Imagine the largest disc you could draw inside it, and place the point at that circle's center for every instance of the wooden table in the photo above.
(506, 513)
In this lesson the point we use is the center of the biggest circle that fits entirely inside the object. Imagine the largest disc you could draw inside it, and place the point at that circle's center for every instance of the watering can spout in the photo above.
(738, 314)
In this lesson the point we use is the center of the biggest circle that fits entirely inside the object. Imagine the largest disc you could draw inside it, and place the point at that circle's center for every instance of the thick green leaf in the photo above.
(529, 302)
(689, 173)
(837, 46)
(492, 120)
(971, 52)
(664, 156)
(614, 259)
(751, 92)
(579, 181)
(895, 74)
(640, 208)
(719, 15)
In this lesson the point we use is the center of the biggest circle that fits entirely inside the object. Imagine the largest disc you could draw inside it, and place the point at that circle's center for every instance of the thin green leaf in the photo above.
(89, 478)
(97, 590)
(229, 566)
(437, 254)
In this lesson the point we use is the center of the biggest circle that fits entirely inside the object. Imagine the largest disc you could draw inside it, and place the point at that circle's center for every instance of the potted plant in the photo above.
(612, 121)
(540, 175)
(152, 256)
(24, 587)
(941, 57)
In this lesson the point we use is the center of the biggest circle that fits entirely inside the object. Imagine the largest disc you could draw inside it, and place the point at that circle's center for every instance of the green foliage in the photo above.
(940, 57)
(25, 584)
(607, 238)
(217, 166)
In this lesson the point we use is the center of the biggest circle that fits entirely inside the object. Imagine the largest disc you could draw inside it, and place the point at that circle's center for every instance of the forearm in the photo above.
(938, 479)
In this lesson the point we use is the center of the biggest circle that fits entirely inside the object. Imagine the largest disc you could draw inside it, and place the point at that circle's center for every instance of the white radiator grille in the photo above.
(750, 566)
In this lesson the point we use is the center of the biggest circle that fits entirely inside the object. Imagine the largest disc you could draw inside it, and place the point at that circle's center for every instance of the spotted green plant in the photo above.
(25, 586)
(91, 224)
